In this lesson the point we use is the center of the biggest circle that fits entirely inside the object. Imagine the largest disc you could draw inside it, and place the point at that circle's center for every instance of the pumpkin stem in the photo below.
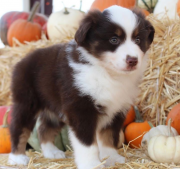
(80, 5)
(33, 11)
(151, 4)
(151, 125)
(169, 127)
(138, 115)
(164, 121)
(5, 121)
(66, 12)
(136, 3)
(149, 9)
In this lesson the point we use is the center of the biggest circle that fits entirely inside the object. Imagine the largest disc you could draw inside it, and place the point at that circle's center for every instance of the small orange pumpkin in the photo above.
(103, 4)
(178, 7)
(136, 129)
(5, 141)
(146, 13)
(174, 114)
(24, 30)
(130, 117)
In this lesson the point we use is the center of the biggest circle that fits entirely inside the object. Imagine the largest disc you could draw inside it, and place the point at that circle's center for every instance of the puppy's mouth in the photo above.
(130, 68)
(112, 68)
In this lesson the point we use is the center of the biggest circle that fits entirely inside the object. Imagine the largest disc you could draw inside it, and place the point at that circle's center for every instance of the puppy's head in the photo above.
(118, 37)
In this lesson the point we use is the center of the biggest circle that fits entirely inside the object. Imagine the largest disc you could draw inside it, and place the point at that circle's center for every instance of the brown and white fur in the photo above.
(88, 83)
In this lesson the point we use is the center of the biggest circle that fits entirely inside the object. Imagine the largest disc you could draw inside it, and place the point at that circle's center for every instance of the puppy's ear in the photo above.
(148, 26)
(89, 21)
(138, 12)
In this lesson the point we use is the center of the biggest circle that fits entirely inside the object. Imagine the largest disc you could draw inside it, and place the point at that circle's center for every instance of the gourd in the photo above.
(63, 23)
(155, 131)
(165, 149)
(174, 114)
(24, 30)
(135, 131)
(61, 140)
(147, 4)
(103, 4)
(130, 117)
(8, 18)
(5, 141)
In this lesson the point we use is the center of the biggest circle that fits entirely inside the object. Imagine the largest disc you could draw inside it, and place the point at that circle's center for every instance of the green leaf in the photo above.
(61, 140)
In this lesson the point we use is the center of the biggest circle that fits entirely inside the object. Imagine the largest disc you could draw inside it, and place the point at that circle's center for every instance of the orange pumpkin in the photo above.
(24, 30)
(146, 13)
(178, 7)
(174, 114)
(130, 117)
(103, 4)
(5, 141)
(136, 129)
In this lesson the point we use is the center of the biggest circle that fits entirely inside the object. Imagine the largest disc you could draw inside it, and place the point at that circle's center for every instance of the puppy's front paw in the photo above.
(115, 159)
(18, 159)
(51, 151)
(54, 154)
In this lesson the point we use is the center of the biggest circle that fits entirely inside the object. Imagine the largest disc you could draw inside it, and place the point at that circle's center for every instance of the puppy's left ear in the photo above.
(89, 22)
(148, 26)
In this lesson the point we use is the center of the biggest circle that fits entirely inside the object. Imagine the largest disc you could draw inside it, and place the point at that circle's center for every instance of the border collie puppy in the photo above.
(88, 83)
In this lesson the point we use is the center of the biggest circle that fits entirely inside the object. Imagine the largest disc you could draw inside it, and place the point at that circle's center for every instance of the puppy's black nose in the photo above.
(131, 61)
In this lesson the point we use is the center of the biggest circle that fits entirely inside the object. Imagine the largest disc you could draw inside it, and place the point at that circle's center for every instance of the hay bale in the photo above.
(160, 89)
(9, 56)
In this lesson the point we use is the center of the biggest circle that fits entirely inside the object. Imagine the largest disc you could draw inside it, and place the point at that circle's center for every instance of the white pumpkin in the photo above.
(165, 149)
(121, 139)
(155, 131)
(169, 5)
(64, 23)
(142, 4)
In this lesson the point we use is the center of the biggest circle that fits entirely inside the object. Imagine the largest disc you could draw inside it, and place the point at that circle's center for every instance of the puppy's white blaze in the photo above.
(18, 159)
(124, 18)
(51, 151)
(118, 58)
(86, 157)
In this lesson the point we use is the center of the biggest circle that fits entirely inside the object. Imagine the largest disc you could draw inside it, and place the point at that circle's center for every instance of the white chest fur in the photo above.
(115, 93)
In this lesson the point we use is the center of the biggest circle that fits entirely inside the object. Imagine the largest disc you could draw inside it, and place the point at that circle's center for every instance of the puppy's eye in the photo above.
(137, 41)
(114, 40)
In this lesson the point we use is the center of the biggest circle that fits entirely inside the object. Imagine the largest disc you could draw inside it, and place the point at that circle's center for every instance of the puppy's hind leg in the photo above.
(22, 123)
(48, 129)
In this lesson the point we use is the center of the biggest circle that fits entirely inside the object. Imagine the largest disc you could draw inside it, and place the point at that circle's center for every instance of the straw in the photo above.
(135, 159)
(160, 89)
